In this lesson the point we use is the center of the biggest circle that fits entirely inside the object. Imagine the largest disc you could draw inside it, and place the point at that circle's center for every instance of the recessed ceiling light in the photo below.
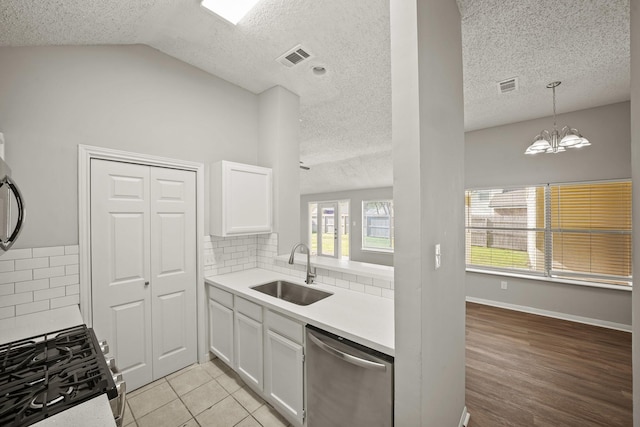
(319, 70)
(231, 10)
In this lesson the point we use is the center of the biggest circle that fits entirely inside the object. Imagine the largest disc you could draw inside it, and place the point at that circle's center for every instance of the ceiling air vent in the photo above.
(294, 56)
(508, 85)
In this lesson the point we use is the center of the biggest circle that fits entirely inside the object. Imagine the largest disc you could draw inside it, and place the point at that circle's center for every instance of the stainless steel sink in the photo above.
(287, 291)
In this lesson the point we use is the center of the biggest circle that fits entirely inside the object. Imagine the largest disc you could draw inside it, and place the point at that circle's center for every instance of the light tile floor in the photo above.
(208, 395)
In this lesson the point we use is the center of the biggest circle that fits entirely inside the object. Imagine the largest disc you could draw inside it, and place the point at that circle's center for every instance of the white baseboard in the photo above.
(554, 314)
(464, 419)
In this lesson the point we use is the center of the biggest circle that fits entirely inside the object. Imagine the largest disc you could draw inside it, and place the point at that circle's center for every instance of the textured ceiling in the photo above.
(346, 114)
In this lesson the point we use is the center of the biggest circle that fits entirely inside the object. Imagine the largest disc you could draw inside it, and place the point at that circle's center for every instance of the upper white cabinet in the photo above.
(241, 199)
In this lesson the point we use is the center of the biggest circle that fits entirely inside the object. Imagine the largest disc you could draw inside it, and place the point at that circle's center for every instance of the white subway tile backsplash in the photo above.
(384, 284)
(63, 260)
(49, 294)
(32, 285)
(32, 307)
(365, 280)
(355, 286)
(65, 301)
(7, 289)
(42, 273)
(341, 283)
(15, 276)
(38, 279)
(16, 254)
(372, 290)
(64, 280)
(50, 251)
(6, 312)
(349, 277)
(16, 299)
(72, 289)
(7, 266)
(31, 263)
(70, 250)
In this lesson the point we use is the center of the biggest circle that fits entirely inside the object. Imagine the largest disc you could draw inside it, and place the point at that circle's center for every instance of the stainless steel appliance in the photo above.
(11, 209)
(44, 375)
(347, 384)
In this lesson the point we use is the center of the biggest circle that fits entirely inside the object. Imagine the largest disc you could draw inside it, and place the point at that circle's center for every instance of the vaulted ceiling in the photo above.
(346, 113)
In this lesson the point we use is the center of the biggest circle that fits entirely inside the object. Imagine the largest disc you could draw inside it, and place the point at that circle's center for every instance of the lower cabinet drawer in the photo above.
(286, 327)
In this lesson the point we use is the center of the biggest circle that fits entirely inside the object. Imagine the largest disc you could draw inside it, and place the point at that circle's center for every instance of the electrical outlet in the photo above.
(438, 256)
(503, 284)
(209, 259)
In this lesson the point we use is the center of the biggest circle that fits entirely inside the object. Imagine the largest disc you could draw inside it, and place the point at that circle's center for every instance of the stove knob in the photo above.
(104, 347)
(111, 363)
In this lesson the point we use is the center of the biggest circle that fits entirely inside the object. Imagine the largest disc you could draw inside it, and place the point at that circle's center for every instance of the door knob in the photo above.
(146, 283)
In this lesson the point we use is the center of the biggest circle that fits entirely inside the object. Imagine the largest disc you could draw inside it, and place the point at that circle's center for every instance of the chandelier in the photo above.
(556, 141)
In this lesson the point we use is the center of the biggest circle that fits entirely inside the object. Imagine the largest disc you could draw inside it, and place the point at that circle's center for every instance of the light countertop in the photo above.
(95, 413)
(365, 319)
(28, 325)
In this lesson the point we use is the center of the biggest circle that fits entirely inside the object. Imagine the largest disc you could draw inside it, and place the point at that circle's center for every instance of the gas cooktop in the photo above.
(43, 375)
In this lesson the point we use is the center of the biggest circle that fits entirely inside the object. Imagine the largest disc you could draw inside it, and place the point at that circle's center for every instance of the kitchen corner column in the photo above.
(428, 196)
(279, 149)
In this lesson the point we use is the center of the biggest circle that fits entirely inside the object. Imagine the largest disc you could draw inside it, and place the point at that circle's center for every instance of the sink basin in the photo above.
(287, 291)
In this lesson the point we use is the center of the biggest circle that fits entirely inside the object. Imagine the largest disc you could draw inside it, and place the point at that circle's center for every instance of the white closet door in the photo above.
(120, 265)
(173, 269)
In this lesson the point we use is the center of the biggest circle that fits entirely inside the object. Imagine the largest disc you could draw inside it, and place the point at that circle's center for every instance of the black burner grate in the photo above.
(44, 375)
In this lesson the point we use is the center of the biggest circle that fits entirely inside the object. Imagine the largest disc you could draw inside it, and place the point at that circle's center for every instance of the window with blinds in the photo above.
(574, 231)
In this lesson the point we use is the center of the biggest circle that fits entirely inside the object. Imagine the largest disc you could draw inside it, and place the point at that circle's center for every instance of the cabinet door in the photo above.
(241, 199)
(249, 358)
(221, 331)
(284, 376)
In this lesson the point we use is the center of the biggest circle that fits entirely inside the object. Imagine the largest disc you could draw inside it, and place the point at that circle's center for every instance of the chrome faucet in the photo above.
(310, 275)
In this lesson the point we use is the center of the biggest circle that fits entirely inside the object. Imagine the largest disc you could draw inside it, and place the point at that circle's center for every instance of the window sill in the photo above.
(552, 279)
(378, 251)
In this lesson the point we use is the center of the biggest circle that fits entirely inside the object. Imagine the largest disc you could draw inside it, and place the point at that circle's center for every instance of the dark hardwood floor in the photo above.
(528, 370)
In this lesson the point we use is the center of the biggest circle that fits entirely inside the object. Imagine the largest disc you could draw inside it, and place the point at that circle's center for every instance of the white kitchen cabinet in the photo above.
(221, 325)
(284, 366)
(248, 342)
(241, 199)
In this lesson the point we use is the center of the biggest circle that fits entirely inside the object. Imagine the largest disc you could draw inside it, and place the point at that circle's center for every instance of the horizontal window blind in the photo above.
(577, 231)
(591, 231)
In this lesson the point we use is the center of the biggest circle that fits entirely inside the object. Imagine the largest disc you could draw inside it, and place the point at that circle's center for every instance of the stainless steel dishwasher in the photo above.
(347, 384)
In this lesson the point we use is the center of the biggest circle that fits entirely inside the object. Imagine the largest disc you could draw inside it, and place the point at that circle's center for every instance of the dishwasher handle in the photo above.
(363, 363)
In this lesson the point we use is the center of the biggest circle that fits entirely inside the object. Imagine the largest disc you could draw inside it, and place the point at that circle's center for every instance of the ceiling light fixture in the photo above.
(556, 141)
(319, 70)
(231, 10)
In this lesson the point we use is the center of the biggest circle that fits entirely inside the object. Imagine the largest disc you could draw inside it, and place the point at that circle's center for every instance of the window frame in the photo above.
(549, 273)
(364, 225)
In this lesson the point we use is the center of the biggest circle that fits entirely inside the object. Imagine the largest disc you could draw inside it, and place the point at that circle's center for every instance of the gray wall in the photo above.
(279, 149)
(428, 173)
(355, 220)
(494, 157)
(131, 98)
(635, 164)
